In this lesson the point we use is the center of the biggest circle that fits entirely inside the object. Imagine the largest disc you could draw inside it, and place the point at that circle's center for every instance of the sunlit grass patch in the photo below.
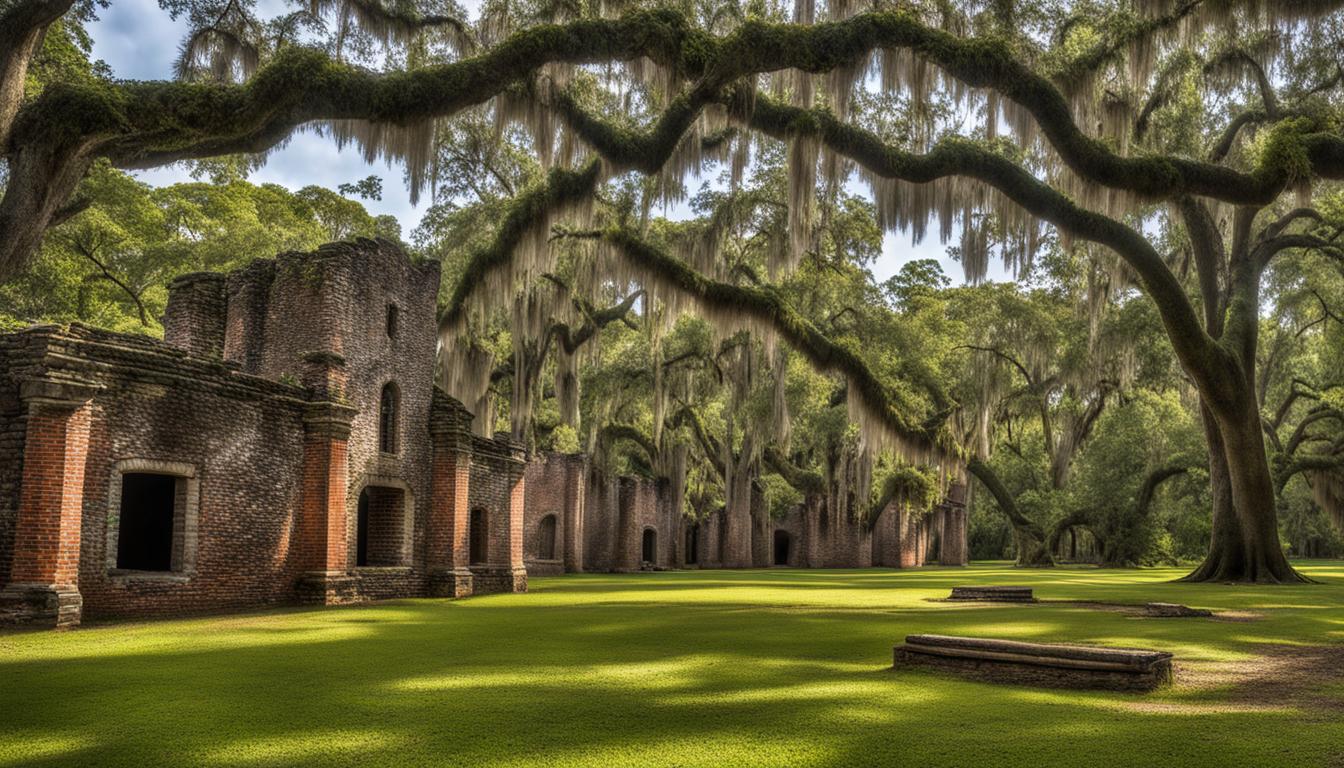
(713, 668)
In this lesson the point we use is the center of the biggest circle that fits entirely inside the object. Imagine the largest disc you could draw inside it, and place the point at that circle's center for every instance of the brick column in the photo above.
(43, 584)
(576, 479)
(814, 506)
(447, 545)
(321, 542)
(911, 530)
(628, 531)
(516, 579)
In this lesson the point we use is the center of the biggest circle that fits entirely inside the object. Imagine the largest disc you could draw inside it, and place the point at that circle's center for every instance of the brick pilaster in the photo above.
(447, 534)
(576, 482)
(321, 541)
(507, 549)
(44, 573)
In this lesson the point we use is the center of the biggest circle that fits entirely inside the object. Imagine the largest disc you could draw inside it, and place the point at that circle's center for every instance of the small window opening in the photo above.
(479, 536)
(149, 533)
(387, 419)
(393, 317)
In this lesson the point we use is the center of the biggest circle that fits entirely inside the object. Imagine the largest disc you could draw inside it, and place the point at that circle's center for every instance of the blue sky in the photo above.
(122, 38)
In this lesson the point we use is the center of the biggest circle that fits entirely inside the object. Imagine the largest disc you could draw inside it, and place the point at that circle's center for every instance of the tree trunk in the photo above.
(1031, 542)
(1244, 545)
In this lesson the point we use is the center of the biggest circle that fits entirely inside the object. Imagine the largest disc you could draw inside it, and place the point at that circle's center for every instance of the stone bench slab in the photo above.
(1049, 665)
(994, 594)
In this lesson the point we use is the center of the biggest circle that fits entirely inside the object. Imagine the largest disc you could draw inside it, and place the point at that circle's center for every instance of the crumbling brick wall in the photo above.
(14, 356)
(230, 408)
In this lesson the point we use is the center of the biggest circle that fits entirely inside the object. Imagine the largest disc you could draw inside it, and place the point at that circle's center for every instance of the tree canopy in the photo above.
(1147, 171)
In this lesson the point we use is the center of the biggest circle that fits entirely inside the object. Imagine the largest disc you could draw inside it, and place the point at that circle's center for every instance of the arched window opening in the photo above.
(546, 538)
(387, 418)
(693, 544)
(782, 545)
(393, 316)
(650, 548)
(479, 536)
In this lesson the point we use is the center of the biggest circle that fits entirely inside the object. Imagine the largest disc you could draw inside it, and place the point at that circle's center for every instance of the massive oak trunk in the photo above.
(1244, 545)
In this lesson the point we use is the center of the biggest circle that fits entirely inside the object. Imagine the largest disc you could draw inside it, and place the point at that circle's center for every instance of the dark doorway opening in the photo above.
(380, 527)
(782, 545)
(693, 545)
(650, 548)
(479, 536)
(148, 514)
(546, 538)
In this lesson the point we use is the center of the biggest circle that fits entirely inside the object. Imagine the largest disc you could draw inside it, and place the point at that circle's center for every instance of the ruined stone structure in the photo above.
(285, 442)
(578, 521)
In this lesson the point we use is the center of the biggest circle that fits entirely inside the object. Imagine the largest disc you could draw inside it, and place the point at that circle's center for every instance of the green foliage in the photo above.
(564, 439)
(110, 265)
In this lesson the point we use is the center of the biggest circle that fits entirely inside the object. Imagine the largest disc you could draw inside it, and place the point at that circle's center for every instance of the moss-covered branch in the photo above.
(767, 306)
(147, 124)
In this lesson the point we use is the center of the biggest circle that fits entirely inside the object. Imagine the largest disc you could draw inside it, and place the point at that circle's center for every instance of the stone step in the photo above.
(995, 594)
(1044, 664)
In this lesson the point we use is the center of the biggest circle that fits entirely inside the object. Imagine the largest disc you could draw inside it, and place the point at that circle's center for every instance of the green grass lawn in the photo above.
(712, 668)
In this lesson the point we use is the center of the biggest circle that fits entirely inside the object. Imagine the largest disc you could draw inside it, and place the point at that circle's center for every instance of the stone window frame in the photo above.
(407, 550)
(185, 522)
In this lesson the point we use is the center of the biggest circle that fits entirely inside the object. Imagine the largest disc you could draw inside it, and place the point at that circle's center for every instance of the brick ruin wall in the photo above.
(240, 433)
(617, 511)
(496, 473)
(15, 353)
(283, 332)
(555, 488)
(227, 395)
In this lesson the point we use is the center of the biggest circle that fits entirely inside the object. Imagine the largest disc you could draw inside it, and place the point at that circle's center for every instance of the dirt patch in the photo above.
(1299, 678)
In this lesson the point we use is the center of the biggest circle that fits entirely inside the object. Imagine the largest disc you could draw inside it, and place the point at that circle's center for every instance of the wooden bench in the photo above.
(1053, 666)
(994, 594)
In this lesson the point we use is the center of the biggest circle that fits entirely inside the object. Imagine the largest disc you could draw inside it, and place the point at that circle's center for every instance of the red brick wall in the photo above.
(555, 486)
(49, 503)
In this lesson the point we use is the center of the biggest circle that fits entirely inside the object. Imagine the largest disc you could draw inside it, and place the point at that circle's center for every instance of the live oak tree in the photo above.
(1158, 134)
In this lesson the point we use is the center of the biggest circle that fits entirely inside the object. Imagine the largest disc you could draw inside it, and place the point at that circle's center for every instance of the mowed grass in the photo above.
(711, 668)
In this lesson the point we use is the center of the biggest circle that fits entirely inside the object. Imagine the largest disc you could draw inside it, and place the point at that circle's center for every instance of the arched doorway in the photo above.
(693, 544)
(782, 546)
(478, 537)
(546, 538)
(649, 553)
